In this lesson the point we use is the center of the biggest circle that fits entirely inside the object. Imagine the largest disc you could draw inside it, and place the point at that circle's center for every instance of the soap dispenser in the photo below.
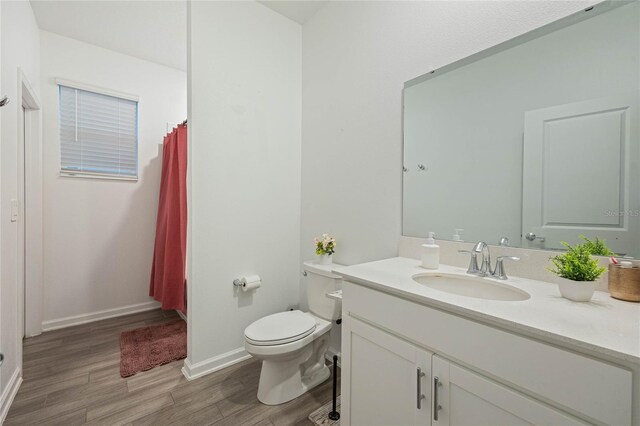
(430, 253)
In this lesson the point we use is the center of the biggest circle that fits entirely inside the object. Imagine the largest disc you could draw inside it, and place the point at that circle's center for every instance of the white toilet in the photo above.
(292, 344)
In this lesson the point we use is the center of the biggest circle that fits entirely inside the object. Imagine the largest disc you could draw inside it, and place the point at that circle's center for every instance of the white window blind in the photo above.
(98, 134)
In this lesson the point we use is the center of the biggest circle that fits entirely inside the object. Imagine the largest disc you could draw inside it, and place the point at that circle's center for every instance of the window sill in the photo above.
(85, 175)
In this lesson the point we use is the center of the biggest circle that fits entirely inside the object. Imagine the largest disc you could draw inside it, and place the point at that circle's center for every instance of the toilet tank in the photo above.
(320, 281)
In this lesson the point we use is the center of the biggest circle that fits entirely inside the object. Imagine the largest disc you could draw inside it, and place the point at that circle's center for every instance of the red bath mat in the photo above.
(147, 347)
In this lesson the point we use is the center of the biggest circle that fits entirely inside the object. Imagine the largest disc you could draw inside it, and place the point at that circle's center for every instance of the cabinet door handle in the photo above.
(436, 407)
(419, 395)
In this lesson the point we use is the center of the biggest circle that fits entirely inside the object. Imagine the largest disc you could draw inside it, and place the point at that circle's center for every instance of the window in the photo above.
(98, 133)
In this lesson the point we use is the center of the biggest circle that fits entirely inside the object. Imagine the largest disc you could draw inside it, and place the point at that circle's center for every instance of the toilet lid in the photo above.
(280, 328)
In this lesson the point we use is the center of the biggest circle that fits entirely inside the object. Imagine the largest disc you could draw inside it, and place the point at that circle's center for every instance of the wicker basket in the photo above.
(624, 283)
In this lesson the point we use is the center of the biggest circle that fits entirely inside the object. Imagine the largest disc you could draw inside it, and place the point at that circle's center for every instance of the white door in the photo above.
(388, 382)
(467, 398)
(580, 174)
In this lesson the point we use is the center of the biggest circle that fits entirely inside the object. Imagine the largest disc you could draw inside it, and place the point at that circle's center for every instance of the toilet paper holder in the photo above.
(248, 283)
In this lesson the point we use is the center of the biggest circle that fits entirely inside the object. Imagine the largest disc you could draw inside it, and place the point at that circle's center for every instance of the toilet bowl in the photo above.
(292, 344)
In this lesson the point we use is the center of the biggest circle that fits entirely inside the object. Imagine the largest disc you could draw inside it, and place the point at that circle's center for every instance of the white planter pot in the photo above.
(326, 259)
(578, 291)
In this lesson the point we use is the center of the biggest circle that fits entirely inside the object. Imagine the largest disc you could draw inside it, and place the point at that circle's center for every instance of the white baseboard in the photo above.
(208, 366)
(98, 315)
(9, 394)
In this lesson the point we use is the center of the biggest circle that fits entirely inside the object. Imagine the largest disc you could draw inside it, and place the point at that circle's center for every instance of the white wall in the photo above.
(19, 49)
(244, 162)
(356, 58)
(99, 234)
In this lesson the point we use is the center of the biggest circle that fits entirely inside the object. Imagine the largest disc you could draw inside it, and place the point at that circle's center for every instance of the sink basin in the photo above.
(471, 286)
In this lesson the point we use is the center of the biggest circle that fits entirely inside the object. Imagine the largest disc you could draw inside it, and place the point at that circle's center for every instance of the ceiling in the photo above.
(299, 11)
(152, 30)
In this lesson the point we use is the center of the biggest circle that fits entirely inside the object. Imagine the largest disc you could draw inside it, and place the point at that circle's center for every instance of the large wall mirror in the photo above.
(532, 142)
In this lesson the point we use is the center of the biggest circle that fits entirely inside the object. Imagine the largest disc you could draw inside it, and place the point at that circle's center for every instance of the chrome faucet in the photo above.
(499, 272)
(485, 267)
(473, 262)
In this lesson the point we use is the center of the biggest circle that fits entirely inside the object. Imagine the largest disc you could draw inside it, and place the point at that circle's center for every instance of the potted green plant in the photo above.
(325, 247)
(597, 247)
(578, 271)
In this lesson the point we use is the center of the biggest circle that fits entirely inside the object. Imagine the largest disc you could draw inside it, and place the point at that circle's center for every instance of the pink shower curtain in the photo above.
(168, 283)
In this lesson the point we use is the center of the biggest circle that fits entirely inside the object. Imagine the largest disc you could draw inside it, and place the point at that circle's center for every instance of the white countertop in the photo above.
(604, 325)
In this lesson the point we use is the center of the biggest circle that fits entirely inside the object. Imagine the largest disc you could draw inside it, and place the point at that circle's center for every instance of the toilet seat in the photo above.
(280, 328)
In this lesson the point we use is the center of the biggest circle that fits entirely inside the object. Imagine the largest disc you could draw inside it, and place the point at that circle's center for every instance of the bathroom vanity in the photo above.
(416, 353)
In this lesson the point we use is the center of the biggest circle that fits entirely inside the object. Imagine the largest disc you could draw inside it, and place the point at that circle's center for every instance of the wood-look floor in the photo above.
(72, 377)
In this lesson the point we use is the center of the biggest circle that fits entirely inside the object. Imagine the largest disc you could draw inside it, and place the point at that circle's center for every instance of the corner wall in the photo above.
(20, 48)
(244, 165)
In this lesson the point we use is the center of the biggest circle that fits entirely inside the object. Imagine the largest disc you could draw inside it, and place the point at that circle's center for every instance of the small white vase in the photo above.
(578, 291)
(326, 259)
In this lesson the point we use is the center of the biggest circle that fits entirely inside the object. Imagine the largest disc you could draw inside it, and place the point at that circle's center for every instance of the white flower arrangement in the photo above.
(325, 245)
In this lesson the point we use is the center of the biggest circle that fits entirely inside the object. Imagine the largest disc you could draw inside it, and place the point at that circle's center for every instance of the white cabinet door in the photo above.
(581, 174)
(467, 398)
(388, 380)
